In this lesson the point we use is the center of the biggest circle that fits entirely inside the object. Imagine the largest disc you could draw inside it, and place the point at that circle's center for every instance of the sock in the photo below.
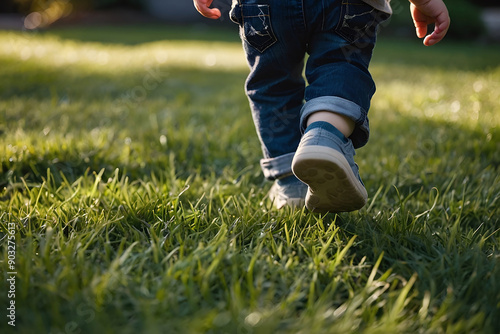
(328, 127)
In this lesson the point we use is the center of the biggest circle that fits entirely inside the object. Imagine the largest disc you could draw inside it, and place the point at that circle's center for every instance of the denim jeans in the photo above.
(333, 40)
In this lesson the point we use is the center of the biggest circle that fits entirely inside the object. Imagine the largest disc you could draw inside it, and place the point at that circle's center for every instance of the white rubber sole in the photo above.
(333, 187)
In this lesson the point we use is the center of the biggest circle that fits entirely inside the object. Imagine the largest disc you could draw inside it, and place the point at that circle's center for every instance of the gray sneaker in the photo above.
(325, 162)
(288, 191)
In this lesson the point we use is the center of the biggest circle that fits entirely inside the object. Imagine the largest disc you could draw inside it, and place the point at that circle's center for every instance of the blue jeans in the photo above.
(338, 36)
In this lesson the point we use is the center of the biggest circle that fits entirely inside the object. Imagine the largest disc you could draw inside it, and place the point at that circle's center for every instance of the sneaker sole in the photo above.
(333, 187)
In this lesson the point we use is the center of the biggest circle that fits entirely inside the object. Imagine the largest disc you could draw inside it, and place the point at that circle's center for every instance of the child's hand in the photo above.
(202, 6)
(428, 12)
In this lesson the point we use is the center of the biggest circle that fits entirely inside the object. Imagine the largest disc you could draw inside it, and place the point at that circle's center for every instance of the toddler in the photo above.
(309, 132)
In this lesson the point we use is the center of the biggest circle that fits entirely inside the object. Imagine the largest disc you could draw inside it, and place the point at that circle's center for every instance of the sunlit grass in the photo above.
(464, 98)
(130, 167)
(50, 51)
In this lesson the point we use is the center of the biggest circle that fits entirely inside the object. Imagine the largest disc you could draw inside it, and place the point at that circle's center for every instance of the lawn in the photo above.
(131, 192)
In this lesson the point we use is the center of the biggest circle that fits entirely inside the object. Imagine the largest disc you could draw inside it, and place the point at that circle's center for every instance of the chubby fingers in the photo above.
(421, 20)
(203, 7)
(441, 27)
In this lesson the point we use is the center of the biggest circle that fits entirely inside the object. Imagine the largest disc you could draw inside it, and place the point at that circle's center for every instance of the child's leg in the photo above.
(337, 70)
(273, 35)
(339, 93)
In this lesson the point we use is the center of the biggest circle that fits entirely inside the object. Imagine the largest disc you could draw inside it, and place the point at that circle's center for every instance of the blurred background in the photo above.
(471, 19)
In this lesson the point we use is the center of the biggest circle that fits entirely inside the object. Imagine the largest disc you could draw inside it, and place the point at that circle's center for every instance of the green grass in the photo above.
(130, 168)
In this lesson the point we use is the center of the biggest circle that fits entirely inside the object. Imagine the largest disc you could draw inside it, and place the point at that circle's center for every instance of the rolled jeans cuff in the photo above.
(340, 106)
(278, 167)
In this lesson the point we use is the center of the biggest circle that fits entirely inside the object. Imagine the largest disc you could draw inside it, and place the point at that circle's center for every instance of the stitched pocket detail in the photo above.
(358, 19)
(255, 24)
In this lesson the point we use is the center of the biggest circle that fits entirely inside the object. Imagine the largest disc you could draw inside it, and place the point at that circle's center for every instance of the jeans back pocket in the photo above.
(255, 24)
(358, 19)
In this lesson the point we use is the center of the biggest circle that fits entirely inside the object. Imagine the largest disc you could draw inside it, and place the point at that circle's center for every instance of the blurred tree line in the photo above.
(466, 14)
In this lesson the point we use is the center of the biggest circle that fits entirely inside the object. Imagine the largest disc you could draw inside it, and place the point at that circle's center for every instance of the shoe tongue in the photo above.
(328, 127)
